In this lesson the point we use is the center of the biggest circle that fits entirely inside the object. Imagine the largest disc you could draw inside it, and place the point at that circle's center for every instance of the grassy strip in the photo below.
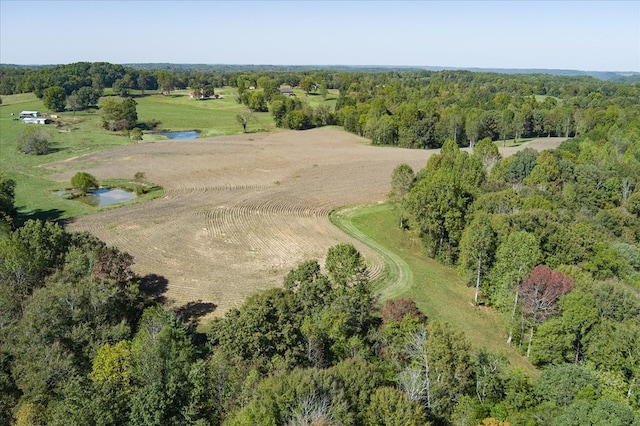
(437, 289)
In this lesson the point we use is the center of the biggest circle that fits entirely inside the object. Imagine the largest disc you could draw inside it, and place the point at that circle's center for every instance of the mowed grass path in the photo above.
(437, 289)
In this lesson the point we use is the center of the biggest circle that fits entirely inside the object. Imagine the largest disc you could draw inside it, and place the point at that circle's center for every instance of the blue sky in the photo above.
(578, 35)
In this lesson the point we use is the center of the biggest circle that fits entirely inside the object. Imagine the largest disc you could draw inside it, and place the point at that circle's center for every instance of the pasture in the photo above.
(78, 133)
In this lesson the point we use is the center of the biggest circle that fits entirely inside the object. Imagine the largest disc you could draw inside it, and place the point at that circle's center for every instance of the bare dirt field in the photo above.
(240, 211)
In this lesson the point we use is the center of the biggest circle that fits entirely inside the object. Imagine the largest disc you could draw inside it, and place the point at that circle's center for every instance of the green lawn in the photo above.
(315, 100)
(213, 117)
(437, 290)
(79, 133)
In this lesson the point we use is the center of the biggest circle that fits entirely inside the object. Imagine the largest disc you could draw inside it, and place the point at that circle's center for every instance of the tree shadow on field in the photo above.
(191, 312)
(38, 214)
(155, 287)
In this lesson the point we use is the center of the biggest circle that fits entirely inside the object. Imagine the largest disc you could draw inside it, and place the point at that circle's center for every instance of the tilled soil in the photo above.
(240, 211)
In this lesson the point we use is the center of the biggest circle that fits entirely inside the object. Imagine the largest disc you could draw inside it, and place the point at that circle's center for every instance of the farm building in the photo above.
(36, 120)
(287, 91)
(29, 114)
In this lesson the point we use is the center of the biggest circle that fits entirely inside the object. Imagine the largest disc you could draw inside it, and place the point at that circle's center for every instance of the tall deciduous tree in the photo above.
(477, 250)
(161, 354)
(402, 180)
(515, 259)
(391, 407)
(346, 266)
(488, 153)
(54, 98)
(119, 115)
(540, 293)
(439, 370)
(7, 203)
(439, 203)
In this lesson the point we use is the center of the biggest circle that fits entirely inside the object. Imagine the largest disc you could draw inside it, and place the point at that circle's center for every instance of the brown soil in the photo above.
(240, 211)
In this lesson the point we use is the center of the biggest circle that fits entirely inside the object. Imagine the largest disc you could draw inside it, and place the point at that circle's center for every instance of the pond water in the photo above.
(103, 197)
(191, 134)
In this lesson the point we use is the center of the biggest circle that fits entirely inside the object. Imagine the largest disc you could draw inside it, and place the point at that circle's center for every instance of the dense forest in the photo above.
(550, 240)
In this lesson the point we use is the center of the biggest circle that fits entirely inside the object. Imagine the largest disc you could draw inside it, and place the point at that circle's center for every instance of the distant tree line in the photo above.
(411, 108)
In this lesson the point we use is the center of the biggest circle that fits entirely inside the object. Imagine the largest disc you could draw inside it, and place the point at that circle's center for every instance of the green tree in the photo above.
(88, 96)
(515, 259)
(391, 407)
(307, 84)
(488, 153)
(323, 89)
(136, 134)
(402, 180)
(564, 339)
(7, 204)
(27, 255)
(439, 370)
(119, 115)
(300, 397)
(520, 166)
(310, 285)
(161, 354)
(123, 86)
(266, 328)
(506, 124)
(245, 118)
(166, 82)
(346, 266)
(112, 382)
(257, 102)
(439, 203)
(477, 250)
(54, 98)
(83, 181)
(561, 384)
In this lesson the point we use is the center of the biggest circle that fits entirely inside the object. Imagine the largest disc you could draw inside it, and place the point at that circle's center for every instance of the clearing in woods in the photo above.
(240, 211)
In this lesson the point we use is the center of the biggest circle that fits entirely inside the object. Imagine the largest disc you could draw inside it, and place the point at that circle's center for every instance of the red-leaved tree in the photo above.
(539, 294)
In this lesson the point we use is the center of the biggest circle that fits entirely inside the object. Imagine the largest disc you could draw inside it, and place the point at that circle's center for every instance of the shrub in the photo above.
(397, 309)
(34, 141)
(83, 181)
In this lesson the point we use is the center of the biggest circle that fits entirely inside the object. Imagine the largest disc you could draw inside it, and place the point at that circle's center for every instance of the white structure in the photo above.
(29, 114)
(35, 120)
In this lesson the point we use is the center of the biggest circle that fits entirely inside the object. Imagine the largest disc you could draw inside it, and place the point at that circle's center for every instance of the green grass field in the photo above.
(438, 290)
(78, 133)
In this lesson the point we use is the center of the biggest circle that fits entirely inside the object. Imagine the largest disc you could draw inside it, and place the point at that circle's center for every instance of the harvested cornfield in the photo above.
(239, 211)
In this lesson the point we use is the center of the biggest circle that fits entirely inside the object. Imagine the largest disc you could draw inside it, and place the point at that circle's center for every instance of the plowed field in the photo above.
(240, 211)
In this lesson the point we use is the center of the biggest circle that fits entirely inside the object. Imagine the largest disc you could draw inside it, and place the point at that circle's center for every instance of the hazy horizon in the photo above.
(587, 36)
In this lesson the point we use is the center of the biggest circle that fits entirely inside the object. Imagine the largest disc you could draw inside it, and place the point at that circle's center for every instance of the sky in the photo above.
(569, 35)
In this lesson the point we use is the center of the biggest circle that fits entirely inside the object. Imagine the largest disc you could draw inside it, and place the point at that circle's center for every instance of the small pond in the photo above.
(103, 197)
(191, 134)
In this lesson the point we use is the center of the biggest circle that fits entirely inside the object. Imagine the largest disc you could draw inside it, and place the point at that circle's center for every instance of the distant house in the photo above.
(29, 114)
(287, 91)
